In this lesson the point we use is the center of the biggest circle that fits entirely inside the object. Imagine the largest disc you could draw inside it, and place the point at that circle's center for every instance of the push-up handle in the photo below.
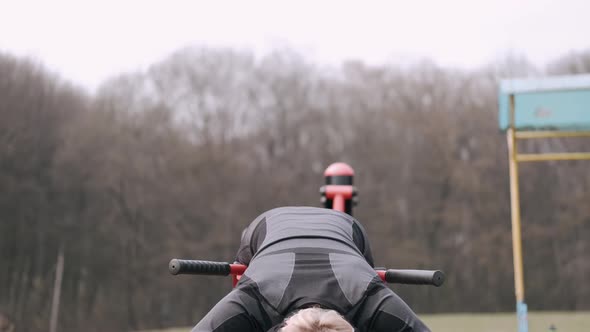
(411, 277)
(187, 266)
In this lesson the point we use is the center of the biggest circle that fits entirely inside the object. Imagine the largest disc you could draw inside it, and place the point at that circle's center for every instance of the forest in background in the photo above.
(173, 161)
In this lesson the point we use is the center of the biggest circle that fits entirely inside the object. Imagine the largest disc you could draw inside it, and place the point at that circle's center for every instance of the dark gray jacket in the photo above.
(303, 256)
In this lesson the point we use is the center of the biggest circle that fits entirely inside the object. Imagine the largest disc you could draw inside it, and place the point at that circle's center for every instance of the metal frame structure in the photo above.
(513, 135)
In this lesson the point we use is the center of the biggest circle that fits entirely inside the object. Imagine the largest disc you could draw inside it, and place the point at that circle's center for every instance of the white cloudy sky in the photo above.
(88, 41)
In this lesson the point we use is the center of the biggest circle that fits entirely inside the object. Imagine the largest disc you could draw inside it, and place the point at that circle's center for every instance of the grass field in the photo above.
(506, 322)
(502, 322)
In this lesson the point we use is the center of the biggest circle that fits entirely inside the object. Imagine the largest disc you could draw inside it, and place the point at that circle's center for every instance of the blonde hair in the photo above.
(316, 320)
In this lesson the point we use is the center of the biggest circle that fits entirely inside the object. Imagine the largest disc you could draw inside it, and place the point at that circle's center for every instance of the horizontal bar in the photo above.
(550, 134)
(553, 156)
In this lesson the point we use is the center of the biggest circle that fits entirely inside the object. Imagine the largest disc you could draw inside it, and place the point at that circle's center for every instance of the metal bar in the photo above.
(548, 90)
(521, 311)
(550, 134)
(512, 112)
(516, 225)
(523, 157)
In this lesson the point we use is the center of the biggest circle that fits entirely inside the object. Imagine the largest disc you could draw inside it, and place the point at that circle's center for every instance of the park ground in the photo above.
(496, 322)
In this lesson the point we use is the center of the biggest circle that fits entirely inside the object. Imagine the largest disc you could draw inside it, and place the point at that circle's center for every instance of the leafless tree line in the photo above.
(176, 160)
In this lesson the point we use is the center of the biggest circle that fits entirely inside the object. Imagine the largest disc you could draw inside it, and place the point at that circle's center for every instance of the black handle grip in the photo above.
(415, 277)
(185, 266)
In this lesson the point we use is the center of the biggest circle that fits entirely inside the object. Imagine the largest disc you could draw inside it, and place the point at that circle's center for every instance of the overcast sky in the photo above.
(88, 41)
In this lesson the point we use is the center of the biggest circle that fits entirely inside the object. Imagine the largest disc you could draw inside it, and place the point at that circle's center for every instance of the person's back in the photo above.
(300, 257)
(301, 222)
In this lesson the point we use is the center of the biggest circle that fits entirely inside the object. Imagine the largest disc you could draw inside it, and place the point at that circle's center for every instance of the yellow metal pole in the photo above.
(521, 308)
(550, 134)
(515, 208)
(553, 156)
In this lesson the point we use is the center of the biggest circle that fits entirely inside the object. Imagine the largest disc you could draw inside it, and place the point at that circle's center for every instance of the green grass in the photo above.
(506, 322)
(501, 322)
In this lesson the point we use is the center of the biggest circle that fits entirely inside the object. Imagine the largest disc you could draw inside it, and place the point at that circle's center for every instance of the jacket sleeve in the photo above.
(252, 237)
(236, 312)
(362, 242)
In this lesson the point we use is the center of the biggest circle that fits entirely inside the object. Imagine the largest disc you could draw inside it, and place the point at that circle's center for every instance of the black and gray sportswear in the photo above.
(303, 256)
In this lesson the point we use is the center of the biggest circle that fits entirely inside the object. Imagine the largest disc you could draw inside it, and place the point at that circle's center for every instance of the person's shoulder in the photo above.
(302, 209)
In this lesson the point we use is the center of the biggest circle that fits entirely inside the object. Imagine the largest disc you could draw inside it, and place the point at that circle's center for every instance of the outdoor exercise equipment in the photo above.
(550, 107)
(411, 277)
(338, 194)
